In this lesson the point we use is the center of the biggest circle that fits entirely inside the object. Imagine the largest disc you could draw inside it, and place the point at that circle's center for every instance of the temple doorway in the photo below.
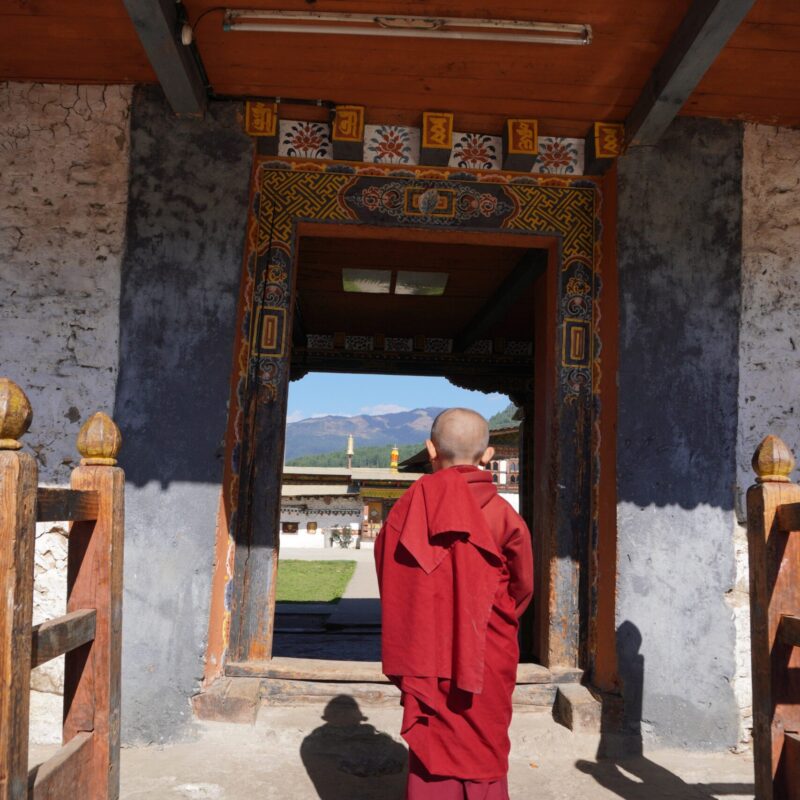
(491, 285)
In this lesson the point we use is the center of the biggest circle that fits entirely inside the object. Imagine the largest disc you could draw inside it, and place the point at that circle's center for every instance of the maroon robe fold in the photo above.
(455, 569)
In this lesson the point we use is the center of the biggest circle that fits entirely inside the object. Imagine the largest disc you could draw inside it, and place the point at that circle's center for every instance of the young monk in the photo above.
(455, 570)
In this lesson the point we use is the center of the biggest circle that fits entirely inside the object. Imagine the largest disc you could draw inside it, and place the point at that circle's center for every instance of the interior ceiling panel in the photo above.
(756, 77)
(474, 274)
(70, 41)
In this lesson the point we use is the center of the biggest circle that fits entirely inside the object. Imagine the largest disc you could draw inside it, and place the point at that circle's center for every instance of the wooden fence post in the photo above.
(18, 483)
(774, 553)
(94, 580)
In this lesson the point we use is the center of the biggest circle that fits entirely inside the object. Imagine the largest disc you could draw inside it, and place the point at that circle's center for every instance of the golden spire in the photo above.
(395, 459)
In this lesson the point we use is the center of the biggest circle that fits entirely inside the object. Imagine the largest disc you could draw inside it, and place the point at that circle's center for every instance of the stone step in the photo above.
(313, 669)
(282, 692)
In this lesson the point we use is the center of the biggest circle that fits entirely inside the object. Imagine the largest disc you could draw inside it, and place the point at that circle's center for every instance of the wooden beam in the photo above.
(18, 477)
(789, 517)
(481, 367)
(704, 31)
(65, 773)
(790, 630)
(175, 64)
(58, 636)
(530, 266)
(56, 505)
(774, 556)
(298, 327)
(94, 581)
(788, 779)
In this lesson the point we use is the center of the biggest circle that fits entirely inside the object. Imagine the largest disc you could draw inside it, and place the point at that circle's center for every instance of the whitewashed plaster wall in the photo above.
(769, 341)
(769, 336)
(63, 202)
(327, 512)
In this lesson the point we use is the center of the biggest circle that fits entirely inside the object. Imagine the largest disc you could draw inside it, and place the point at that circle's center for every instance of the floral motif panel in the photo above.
(304, 139)
(559, 156)
(476, 151)
(391, 144)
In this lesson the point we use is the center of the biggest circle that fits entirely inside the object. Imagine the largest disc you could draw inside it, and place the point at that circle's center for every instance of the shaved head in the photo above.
(460, 434)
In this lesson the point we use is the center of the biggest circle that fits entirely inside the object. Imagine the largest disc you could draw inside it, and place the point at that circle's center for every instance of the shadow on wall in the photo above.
(679, 256)
(187, 212)
(346, 758)
(632, 776)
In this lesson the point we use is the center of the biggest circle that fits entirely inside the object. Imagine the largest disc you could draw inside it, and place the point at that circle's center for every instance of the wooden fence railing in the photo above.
(89, 634)
(773, 532)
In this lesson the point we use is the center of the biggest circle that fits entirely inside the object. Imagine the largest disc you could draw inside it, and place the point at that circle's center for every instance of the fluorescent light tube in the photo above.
(498, 30)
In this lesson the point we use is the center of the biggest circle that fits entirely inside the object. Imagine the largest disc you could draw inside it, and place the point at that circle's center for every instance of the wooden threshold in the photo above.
(314, 669)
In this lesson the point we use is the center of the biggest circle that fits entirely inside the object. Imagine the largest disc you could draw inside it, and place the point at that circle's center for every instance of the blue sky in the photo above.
(320, 394)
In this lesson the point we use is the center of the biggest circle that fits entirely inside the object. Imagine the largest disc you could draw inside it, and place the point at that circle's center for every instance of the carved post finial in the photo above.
(773, 461)
(99, 441)
(15, 414)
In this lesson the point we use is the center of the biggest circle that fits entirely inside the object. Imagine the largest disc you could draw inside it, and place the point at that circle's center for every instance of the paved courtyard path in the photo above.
(350, 629)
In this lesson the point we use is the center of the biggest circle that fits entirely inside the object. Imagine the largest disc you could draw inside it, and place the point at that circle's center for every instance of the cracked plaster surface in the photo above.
(63, 203)
(769, 342)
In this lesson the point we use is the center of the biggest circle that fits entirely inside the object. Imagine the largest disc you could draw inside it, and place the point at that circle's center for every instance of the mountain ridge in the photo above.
(328, 434)
(317, 435)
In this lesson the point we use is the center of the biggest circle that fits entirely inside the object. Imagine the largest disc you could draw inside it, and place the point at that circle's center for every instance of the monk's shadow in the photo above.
(347, 759)
(621, 765)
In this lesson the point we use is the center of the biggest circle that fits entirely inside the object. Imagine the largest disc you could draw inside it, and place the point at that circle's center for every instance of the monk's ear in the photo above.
(431, 448)
(488, 453)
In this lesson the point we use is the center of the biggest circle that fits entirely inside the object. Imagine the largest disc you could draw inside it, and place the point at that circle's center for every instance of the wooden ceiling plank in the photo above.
(174, 64)
(648, 12)
(618, 65)
(778, 12)
(497, 307)
(325, 293)
(781, 38)
(74, 9)
(748, 109)
(700, 38)
(303, 82)
(742, 74)
(493, 106)
(323, 276)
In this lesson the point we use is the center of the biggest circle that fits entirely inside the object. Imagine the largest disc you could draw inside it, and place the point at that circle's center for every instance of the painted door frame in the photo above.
(559, 211)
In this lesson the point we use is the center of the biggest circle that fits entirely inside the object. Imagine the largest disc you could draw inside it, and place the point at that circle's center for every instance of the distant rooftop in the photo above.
(349, 475)
(317, 490)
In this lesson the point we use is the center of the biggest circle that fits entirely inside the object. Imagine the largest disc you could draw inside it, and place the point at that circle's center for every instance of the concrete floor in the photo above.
(294, 754)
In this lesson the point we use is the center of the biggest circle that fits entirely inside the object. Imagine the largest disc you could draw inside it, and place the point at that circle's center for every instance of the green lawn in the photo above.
(313, 581)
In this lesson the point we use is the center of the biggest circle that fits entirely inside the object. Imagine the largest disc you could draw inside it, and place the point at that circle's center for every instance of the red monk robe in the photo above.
(455, 570)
